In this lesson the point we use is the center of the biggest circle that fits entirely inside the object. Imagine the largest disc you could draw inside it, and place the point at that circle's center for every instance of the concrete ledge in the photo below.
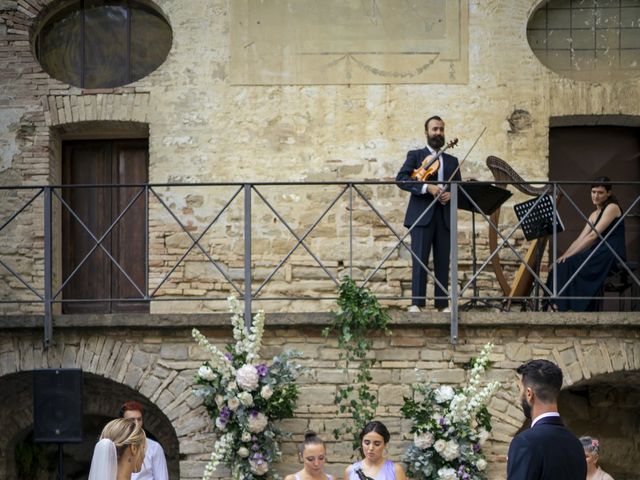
(399, 319)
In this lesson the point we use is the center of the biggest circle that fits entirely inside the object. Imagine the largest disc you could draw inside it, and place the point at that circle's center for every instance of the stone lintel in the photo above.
(523, 320)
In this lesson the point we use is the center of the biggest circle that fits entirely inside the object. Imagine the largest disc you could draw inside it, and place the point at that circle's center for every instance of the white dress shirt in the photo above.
(440, 171)
(154, 466)
(544, 415)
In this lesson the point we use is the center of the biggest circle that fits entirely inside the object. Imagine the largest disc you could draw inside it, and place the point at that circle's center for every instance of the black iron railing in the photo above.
(47, 203)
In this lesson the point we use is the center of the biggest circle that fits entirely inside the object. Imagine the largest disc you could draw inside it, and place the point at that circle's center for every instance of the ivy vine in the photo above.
(358, 318)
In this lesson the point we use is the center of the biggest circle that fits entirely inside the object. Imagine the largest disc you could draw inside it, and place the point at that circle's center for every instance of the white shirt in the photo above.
(154, 466)
(440, 171)
(544, 415)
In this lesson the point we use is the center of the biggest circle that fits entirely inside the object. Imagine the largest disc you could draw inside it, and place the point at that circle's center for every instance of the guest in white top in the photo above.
(154, 466)
(312, 454)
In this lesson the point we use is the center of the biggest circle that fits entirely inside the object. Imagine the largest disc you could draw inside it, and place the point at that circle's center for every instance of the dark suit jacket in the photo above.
(546, 451)
(418, 201)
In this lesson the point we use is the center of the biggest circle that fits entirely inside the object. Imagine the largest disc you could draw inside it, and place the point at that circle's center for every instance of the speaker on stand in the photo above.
(57, 408)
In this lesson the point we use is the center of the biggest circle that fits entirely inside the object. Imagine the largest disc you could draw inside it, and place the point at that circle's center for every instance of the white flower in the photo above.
(245, 398)
(246, 436)
(233, 403)
(258, 466)
(247, 378)
(243, 452)
(481, 464)
(484, 435)
(232, 386)
(423, 440)
(451, 451)
(205, 373)
(257, 422)
(221, 424)
(447, 474)
(444, 394)
(266, 392)
(440, 445)
(219, 401)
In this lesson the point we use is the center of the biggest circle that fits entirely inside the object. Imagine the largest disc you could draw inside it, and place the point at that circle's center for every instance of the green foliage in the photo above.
(359, 316)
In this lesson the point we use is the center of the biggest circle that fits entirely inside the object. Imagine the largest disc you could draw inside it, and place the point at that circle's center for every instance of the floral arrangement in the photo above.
(450, 426)
(244, 396)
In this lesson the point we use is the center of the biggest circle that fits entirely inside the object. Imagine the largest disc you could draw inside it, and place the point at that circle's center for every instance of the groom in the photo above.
(547, 450)
(154, 466)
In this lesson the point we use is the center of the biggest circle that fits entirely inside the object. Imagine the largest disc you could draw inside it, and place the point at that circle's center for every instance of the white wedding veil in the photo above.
(104, 464)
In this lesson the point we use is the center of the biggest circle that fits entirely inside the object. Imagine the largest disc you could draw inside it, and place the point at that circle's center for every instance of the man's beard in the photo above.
(436, 142)
(526, 408)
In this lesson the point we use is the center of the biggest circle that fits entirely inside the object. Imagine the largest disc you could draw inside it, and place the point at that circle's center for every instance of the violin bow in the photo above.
(465, 157)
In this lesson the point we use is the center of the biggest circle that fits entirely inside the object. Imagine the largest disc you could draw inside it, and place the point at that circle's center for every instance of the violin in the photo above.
(429, 168)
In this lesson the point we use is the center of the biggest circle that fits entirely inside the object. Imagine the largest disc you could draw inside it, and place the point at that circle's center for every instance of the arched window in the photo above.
(587, 39)
(103, 43)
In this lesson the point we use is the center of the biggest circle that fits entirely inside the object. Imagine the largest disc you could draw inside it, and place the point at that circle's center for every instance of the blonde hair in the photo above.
(124, 432)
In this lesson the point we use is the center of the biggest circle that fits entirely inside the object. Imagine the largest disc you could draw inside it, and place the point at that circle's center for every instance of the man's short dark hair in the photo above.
(543, 377)
(435, 117)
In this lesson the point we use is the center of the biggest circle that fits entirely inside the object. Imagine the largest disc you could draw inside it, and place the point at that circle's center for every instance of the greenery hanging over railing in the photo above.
(358, 319)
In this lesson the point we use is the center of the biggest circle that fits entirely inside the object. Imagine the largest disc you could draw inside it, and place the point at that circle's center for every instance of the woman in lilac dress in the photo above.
(374, 437)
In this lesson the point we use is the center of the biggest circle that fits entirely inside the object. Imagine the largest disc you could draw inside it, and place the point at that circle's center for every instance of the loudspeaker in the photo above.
(57, 405)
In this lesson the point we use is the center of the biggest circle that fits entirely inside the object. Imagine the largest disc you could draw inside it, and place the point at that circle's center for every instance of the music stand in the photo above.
(537, 224)
(488, 198)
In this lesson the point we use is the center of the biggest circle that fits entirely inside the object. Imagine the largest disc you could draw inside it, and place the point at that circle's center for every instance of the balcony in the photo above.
(284, 247)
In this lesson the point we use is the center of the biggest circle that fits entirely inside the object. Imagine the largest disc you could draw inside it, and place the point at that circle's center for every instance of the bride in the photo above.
(120, 451)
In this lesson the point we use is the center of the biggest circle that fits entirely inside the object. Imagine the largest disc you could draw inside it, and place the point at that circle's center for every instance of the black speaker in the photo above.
(57, 405)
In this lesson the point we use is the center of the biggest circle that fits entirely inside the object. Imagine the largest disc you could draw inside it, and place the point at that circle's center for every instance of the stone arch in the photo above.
(583, 361)
(605, 406)
(116, 369)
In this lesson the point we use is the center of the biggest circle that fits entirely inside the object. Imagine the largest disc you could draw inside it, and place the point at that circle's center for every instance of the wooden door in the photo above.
(584, 153)
(94, 163)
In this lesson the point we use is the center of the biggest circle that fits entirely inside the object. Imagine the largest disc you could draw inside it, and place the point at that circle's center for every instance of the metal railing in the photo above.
(49, 202)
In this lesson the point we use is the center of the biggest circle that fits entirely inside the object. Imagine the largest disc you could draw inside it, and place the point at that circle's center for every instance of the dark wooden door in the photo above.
(94, 163)
(584, 153)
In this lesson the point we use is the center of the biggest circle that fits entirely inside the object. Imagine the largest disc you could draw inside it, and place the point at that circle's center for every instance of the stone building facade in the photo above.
(154, 359)
(207, 117)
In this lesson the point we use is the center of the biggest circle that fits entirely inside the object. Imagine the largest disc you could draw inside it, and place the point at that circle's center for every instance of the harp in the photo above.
(523, 280)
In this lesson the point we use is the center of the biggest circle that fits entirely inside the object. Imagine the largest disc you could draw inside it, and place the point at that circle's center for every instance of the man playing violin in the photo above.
(428, 212)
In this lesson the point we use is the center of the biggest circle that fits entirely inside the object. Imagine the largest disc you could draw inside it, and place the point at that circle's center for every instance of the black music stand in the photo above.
(537, 224)
(488, 198)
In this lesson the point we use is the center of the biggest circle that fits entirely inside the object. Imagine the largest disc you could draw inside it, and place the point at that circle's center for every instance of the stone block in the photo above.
(316, 395)
(174, 352)
(450, 376)
(393, 394)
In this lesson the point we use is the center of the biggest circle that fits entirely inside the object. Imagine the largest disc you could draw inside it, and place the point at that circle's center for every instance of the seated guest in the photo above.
(312, 454)
(590, 278)
(591, 450)
(374, 438)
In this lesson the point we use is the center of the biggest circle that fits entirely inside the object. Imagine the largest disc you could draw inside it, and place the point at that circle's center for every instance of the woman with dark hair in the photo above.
(591, 451)
(589, 278)
(374, 437)
(312, 454)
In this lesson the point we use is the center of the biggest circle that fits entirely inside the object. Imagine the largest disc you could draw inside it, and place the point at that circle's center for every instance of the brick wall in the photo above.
(155, 357)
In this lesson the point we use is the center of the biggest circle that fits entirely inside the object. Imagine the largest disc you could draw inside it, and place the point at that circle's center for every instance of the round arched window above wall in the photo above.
(102, 43)
(592, 40)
